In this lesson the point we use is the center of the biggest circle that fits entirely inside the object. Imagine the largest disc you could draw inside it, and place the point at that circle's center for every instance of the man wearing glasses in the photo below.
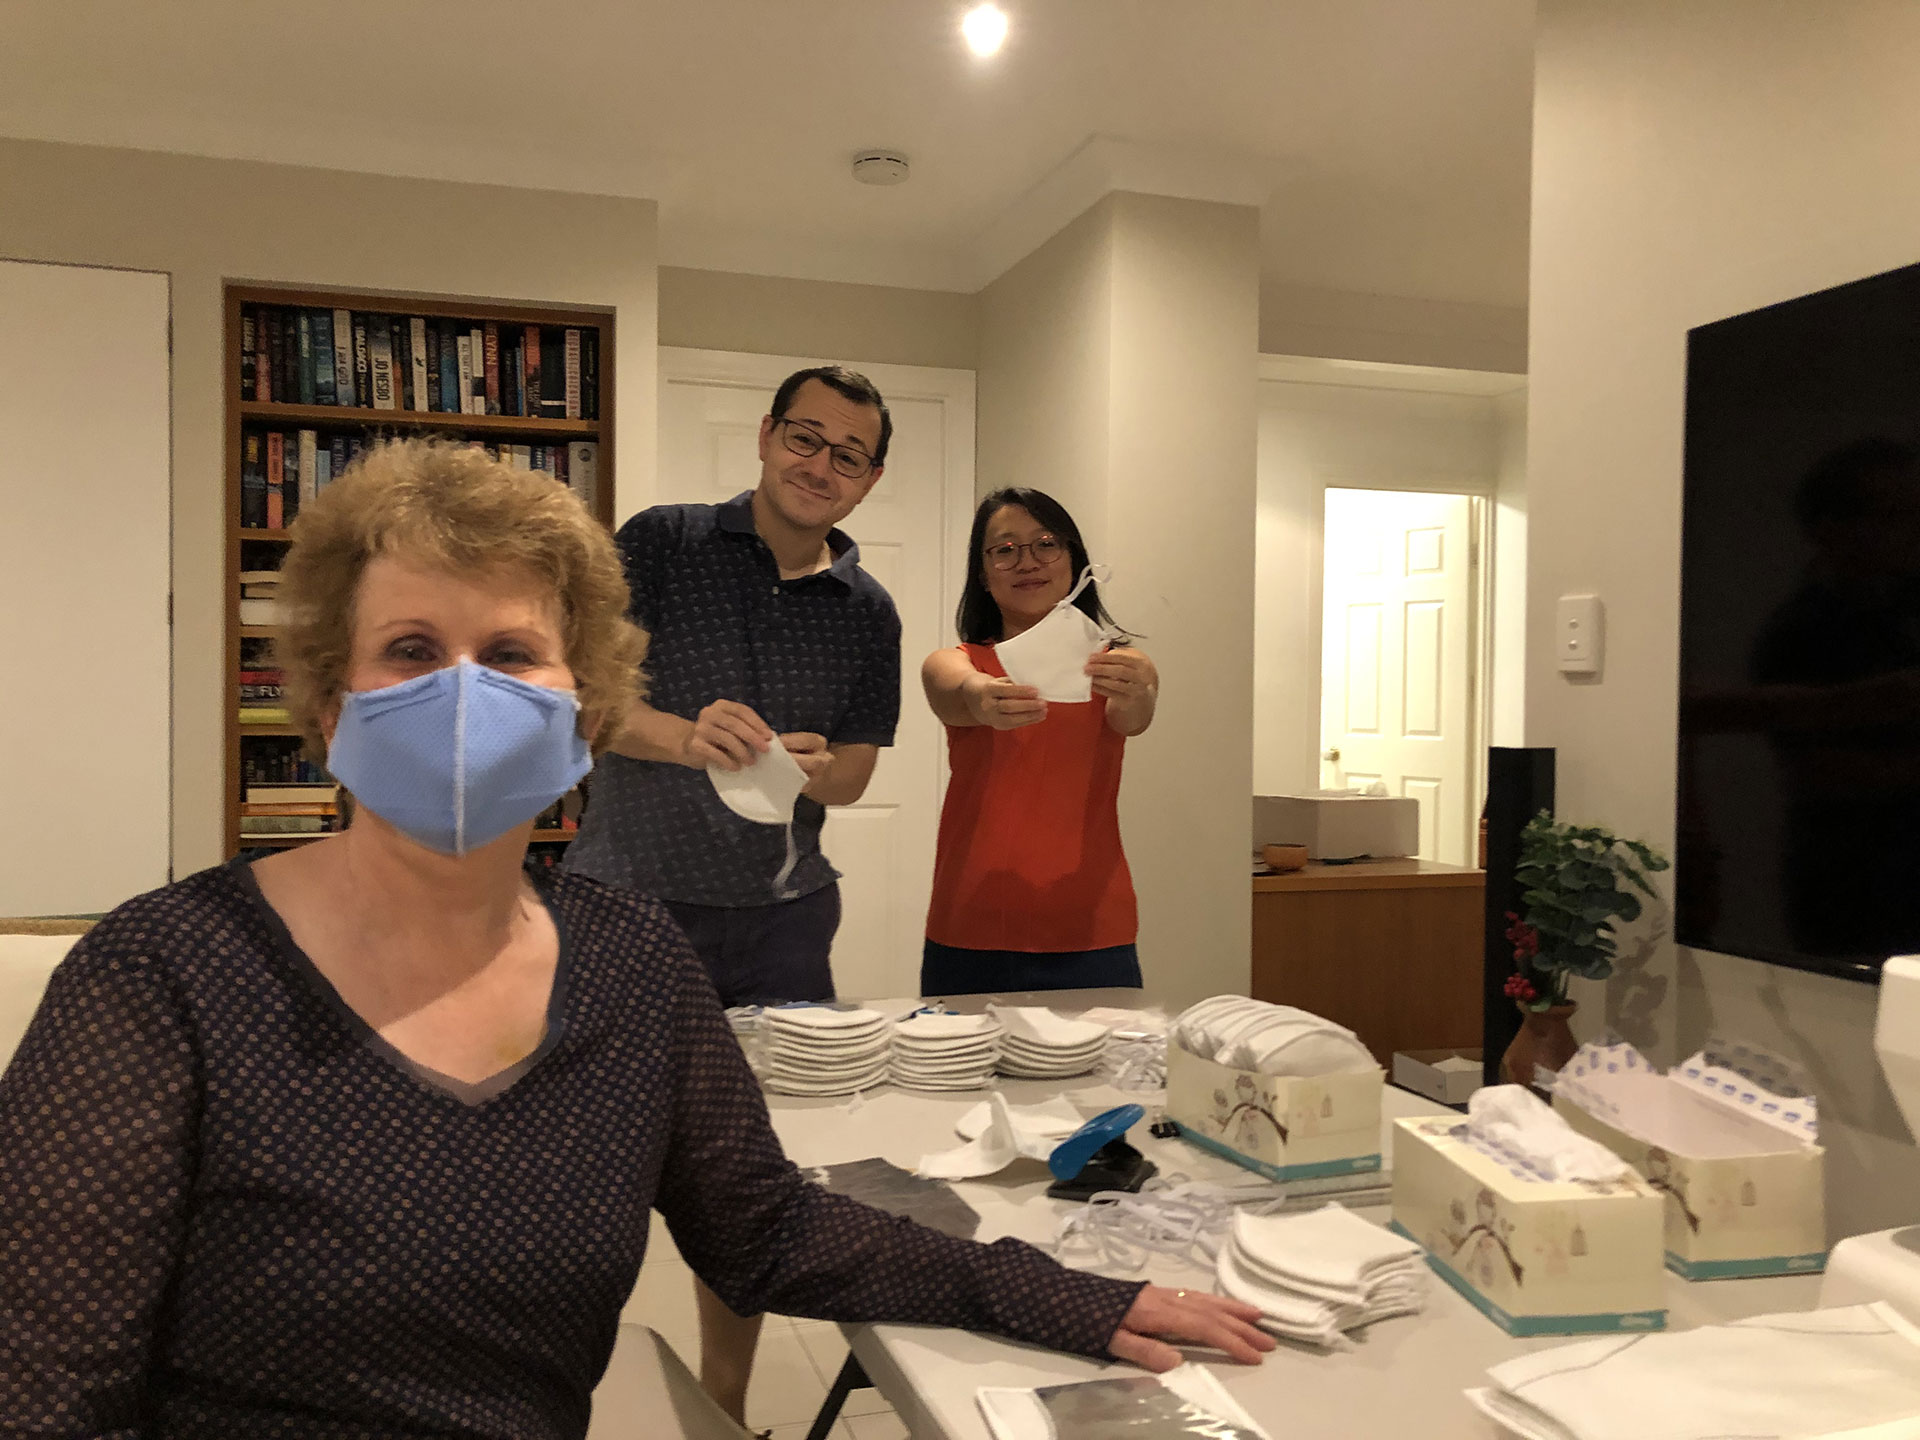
(763, 625)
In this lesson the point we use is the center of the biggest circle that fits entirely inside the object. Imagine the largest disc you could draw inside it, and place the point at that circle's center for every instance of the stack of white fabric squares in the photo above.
(1319, 1274)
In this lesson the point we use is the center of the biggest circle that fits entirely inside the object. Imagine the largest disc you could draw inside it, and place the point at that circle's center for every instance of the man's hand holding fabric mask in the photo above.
(727, 734)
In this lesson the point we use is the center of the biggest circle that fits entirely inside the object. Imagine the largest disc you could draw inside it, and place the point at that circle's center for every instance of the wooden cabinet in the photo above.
(1389, 948)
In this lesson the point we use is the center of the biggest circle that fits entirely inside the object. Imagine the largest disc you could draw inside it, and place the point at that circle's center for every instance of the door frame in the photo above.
(1480, 496)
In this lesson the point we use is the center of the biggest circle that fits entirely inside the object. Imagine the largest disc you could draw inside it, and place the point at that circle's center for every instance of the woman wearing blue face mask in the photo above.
(360, 1140)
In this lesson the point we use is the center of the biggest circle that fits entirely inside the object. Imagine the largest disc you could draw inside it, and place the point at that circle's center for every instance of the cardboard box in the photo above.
(1741, 1178)
(1335, 825)
(1537, 1257)
(1449, 1076)
(1282, 1127)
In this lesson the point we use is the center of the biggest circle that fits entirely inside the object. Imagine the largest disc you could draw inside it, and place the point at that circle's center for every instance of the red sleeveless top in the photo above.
(1029, 854)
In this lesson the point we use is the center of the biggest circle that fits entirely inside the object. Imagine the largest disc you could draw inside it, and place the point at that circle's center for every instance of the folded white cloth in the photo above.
(1253, 1035)
(1773, 1377)
(1037, 1025)
(1331, 1247)
(1514, 1124)
(1317, 1274)
(997, 1134)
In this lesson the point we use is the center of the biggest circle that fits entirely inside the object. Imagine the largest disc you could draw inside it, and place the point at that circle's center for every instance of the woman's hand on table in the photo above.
(1160, 1319)
(997, 701)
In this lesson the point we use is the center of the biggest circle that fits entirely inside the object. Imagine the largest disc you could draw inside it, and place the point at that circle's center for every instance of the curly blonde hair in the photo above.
(446, 505)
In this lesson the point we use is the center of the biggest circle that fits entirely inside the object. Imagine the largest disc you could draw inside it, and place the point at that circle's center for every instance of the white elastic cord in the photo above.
(793, 859)
(1172, 1215)
(1137, 1062)
(460, 763)
(1102, 573)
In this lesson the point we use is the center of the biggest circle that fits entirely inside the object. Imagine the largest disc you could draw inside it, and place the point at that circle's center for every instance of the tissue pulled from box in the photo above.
(1512, 1124)
(1702, 1107)
(1246, 1034)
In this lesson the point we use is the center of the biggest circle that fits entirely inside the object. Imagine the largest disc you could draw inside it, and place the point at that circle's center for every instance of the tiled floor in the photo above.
(797, 1361)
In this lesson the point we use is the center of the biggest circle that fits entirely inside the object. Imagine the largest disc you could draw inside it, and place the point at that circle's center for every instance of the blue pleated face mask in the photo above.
(458, 757)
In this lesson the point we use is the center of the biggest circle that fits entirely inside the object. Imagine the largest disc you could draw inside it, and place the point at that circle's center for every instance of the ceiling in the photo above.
(1387, 141)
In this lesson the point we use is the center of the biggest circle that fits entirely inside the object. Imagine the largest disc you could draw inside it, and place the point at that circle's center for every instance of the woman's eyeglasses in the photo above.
(1006, 555)
(846, 461)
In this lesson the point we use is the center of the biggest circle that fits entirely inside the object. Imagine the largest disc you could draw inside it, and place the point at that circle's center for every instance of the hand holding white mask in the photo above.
(764, 792)
(1052, 655)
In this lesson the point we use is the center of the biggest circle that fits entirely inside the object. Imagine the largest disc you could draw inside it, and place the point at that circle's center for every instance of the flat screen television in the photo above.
(1798, 832)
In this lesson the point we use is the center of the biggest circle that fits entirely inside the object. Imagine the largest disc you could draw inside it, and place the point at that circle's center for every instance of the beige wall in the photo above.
(771, 315)
(207, 221)
(1691, 162)
(1117, 373)
(1046, 338)
(1395, 329)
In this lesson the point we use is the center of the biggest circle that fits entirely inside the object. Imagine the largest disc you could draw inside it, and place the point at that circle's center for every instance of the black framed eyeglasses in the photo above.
(848, 462)
(1045, 550)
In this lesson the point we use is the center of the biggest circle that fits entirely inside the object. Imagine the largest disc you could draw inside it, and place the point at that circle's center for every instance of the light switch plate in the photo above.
(1579, 634)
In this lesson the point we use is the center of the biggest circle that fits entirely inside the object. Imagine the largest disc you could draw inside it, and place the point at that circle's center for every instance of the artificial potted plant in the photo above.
(1577, 886)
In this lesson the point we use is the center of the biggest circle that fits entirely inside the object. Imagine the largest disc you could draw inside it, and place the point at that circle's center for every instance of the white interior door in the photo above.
(911, 530)
(1397, 655)
(86, 520)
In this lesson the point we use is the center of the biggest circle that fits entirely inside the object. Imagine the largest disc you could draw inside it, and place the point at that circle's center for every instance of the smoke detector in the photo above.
(880, 167)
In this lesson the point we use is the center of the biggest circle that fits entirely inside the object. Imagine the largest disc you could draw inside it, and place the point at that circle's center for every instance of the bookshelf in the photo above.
(542, 396)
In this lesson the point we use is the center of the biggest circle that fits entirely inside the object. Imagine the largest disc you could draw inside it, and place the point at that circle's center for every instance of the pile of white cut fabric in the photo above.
(1318, 1275)
(1852, 1370)
(1271, 1039)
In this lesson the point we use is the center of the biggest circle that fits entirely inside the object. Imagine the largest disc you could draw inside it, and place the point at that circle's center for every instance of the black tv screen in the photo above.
(1798, 832)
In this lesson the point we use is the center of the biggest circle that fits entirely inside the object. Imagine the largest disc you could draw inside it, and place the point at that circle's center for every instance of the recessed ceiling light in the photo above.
(985, 28)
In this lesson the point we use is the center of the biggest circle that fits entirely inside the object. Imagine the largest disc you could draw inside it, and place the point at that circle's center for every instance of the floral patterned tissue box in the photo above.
(1537, 1257)
(1737, 1164)
(1282, 1127)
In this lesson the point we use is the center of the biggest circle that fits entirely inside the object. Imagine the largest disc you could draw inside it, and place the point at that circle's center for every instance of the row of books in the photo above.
(281, 469)
(260, 605)
(369, 361)
(274, 762)
(315, 816)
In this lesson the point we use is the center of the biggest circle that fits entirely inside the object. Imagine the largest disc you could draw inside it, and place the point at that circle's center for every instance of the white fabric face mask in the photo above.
(1052, 656)
(764, 792)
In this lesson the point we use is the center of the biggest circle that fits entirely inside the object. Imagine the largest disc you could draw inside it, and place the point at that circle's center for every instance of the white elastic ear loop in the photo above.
(1102, 573)
(1171, 1215)
(786, 870)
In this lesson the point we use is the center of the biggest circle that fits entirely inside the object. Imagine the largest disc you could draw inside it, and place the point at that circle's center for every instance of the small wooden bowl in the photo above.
(1284, 857)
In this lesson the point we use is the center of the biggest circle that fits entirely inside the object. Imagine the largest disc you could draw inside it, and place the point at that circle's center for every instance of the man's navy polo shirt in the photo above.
(821, 653)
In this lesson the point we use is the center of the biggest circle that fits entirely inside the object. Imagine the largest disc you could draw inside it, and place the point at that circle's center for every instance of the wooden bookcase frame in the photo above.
(516, 429)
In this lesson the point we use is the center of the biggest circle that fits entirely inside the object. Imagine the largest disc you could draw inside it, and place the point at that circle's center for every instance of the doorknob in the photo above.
(1331, 753)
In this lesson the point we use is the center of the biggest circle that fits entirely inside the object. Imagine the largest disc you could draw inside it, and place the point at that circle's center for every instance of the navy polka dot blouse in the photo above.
(227, 1209)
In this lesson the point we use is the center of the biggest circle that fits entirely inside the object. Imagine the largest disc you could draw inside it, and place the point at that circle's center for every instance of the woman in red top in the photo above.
(1030, 887)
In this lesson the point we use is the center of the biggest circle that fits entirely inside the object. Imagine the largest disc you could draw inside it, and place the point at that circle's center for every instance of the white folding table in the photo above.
(1404, 1376)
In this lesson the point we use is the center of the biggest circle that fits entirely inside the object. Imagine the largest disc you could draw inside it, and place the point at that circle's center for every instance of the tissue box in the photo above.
(1740, 1176)
(1449, 1076)
(1334, 825)
(1537, 1257)
(1282, 1127)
